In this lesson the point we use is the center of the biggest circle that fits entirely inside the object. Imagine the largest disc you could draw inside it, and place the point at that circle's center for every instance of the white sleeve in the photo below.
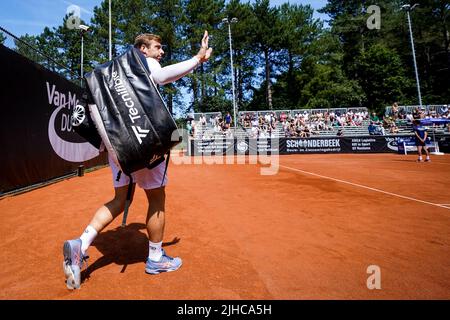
(171, 73)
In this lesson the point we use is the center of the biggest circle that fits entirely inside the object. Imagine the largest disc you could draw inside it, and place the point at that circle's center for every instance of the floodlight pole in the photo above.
(233, 20)
(408, 9)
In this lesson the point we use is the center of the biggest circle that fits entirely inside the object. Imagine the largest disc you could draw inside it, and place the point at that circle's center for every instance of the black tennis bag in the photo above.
(123, 108)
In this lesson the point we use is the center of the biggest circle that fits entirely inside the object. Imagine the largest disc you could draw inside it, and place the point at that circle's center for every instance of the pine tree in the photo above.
(266, 40)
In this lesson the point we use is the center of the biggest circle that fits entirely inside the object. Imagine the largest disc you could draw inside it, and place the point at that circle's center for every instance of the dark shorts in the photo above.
(420, 143)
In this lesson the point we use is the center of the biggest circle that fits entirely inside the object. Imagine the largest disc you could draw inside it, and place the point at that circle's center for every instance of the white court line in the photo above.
(365, 187)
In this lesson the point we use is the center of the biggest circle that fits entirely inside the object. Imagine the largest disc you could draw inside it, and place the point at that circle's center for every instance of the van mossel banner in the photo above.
(36, 133)
(65, 142)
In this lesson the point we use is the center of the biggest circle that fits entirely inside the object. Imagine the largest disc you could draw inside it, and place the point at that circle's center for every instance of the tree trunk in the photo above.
(202, 85)
(268, 84)
(194, 87)
(240, 95)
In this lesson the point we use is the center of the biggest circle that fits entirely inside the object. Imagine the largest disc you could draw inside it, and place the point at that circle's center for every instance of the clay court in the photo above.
(308, 232)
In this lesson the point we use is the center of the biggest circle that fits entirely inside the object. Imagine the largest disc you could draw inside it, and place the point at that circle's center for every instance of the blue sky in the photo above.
(32, 16)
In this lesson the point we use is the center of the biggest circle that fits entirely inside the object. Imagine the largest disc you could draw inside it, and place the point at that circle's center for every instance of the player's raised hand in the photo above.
(205, 52)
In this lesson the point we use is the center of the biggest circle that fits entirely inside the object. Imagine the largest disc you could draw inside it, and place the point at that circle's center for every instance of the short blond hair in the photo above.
(145, 38)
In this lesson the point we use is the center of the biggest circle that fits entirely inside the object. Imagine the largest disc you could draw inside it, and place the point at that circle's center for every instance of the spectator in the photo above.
(212, 121)
(393, 128)
(410, 117)
(202, 120)
(374, 117)
(394, 111)
(228, 121)
(379, 129)
(416, 113)
(371, 128)
(189, 128)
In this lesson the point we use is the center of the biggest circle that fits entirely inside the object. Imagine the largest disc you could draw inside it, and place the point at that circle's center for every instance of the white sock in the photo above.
(420, 158)
(428, 157)
(87, 237)
(154, 250)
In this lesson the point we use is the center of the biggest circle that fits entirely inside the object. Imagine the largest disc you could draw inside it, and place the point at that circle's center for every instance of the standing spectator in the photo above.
(228, 121)
(421, 135)
(394, 111)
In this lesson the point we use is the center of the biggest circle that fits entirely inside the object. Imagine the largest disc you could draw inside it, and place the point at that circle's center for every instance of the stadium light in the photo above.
(233, 20)
(408, 8)
(83, 29)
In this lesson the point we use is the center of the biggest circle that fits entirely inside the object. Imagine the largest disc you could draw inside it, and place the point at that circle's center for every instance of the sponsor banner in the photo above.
(443, 142)
(408, 143)
(369, 144)
(36, 133)
(310, 145)
(363, 144)
(234, 146)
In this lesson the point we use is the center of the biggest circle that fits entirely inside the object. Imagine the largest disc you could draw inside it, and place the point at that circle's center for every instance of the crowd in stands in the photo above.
(406, 115)
(307, 123)
(215, 121)
(299, 123)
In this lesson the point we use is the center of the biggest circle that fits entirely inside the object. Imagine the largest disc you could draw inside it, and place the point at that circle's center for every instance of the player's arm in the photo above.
(171, 73)
(176, 71)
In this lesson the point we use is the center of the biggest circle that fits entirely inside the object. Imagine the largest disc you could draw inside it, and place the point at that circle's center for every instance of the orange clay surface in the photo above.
(243, 235)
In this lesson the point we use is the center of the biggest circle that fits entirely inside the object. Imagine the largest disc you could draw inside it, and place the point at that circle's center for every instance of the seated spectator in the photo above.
(193, 128)
(416, 113)
(374, 117)
(393, 128)
(410, 117)
(371, 128)
(189, 128)
(379, 129)
(220, 123)
(443, 110)
(212, 121)
(202, 120)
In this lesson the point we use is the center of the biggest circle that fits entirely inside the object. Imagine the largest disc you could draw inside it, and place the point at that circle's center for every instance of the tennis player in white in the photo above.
(75, 251)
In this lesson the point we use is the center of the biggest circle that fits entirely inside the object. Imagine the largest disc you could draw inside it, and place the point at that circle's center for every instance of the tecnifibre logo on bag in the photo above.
(139, 133)
(133, 113)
